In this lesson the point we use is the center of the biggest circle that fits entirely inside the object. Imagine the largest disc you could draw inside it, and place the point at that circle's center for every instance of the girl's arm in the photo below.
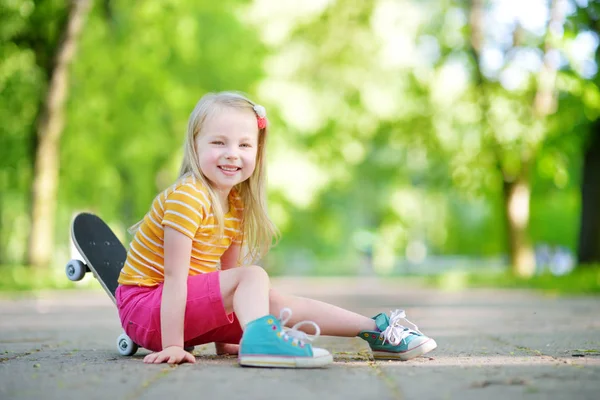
(230, 258)
(178, 249)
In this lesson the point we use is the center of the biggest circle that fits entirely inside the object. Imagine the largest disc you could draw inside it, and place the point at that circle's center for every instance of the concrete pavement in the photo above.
(492, 344)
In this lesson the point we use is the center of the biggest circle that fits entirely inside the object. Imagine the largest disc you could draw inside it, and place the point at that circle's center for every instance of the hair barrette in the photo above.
(261, 116)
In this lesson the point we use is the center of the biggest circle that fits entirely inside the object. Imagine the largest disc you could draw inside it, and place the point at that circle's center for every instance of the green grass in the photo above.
(20, 278)
(583, 280)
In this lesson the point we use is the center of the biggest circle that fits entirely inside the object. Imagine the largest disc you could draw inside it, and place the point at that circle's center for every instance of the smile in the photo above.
(229, 168)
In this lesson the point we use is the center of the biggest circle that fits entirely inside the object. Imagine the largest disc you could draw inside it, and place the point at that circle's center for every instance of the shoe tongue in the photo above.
(382, 321)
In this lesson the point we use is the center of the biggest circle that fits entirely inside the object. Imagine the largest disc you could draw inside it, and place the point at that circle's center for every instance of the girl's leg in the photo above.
(227, 349)
(333, 320)
(245, 291)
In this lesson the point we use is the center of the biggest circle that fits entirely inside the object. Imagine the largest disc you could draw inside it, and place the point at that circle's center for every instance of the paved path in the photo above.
(493, 344)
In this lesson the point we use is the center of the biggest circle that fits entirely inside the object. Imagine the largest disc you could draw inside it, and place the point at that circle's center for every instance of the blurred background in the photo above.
(422, 138)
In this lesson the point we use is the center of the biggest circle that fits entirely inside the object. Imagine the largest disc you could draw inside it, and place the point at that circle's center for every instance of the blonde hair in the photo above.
(259, 232)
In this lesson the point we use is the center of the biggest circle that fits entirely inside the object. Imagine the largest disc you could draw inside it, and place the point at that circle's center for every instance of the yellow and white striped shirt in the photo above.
(185, 207)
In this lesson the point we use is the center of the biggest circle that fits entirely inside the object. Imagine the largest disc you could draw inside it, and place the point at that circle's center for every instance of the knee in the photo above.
(255, 272)
(275, 300)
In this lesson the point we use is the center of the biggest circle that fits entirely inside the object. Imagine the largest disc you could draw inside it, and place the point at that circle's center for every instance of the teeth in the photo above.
(229, 169)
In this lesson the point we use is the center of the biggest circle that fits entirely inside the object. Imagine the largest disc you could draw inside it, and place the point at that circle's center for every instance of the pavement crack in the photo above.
(524, 349)
(531, 351)
(139, 391)
(488, 382)
(5, 357)
(387, 380)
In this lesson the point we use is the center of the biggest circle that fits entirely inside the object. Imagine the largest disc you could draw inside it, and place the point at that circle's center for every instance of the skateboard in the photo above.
(104, 256)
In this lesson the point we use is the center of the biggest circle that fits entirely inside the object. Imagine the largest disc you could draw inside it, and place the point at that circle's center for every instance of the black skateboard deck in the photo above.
(101, 250)
(103, 255)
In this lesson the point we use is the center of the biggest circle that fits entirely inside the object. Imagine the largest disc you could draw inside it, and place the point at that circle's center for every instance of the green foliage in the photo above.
(22, 278)
(120, 148)
(412, 147)
(29, 32)
(584, 280)
(379, 140)
(125, 141)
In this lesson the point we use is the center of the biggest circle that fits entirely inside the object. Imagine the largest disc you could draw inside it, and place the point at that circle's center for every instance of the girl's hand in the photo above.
(171, 355)
(223, 349)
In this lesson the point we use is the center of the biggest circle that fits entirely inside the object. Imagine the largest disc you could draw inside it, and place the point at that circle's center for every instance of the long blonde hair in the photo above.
(259, 232)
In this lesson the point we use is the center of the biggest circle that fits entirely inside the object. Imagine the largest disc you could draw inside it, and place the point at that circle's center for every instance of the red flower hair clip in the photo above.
(261, 116)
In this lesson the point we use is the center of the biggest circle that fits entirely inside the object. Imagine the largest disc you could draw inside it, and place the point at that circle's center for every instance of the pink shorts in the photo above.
(205, 318)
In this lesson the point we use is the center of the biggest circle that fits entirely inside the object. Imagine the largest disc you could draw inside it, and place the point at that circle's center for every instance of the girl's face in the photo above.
(227, 148)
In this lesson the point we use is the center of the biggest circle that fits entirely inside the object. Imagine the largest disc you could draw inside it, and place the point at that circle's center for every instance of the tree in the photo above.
(588, 251)
(589, 238)
(510, 125)
(514, 158)
(49, 129)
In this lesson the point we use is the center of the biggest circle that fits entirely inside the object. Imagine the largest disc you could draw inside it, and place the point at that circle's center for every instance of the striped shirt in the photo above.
(185, 207)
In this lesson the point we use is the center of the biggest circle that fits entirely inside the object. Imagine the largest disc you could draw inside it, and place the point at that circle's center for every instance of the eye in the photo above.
(217, 142)
(246, 145)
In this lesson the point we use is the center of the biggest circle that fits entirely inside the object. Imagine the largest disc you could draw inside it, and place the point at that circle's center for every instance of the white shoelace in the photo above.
(395, 332)
(293, 332)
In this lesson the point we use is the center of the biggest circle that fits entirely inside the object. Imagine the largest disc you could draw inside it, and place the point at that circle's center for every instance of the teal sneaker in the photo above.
(394, 341)
(265, 343)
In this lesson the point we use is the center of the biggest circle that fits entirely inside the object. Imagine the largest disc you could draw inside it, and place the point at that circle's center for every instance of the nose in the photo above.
(231, 153)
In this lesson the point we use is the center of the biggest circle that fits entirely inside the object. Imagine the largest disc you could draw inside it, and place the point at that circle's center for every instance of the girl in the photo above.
(181, 284)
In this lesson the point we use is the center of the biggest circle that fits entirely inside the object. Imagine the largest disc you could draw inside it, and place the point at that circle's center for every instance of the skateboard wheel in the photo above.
(189, 349)
(76, 270)
(125, 345)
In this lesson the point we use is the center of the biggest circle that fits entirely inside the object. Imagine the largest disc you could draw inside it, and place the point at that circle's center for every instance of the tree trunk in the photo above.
(49, 128)
(588, 251)
(516, 190)
(516, 195)
(589, 233)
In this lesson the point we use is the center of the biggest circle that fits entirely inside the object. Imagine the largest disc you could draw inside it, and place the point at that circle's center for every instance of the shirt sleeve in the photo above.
(185, 209)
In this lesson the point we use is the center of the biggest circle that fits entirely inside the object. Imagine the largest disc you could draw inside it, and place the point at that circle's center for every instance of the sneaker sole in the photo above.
(284, 362)
(423, 348)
